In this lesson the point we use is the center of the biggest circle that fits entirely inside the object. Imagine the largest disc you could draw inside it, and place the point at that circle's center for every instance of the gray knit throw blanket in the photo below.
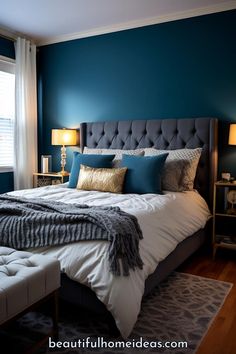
(26, 223)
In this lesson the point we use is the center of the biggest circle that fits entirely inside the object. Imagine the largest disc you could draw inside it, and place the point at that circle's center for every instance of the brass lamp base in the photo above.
(63, 173)
(231, 211)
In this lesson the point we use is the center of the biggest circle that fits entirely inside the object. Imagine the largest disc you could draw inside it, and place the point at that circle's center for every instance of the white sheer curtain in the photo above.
(26, 115)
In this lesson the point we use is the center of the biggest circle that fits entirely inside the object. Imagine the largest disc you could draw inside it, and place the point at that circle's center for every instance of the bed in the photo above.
(168, 134)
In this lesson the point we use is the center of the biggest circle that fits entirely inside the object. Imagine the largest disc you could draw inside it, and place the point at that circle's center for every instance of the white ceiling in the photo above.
(50, 21)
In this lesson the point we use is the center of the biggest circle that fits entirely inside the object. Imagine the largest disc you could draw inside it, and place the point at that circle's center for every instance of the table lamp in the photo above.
(232, 134)
(232, 138)
(64, 137)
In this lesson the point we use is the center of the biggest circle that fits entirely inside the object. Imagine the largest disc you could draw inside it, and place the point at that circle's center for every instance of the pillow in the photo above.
(143, 174)
(101, 179)
(89, 160)
(180, 168)
(118, 153)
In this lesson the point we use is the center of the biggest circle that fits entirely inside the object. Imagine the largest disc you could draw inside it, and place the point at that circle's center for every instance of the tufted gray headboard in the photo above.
(161, 134)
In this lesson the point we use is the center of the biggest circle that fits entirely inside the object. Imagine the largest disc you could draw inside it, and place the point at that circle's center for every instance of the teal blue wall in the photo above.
(177, 69)
(6, 179)
(6, 182)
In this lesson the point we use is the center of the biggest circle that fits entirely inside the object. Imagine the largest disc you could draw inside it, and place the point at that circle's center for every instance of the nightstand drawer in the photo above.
(43, 181)
(47, 179)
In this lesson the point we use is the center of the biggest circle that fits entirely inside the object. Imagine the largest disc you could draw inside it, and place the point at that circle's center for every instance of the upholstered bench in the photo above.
(25, 280)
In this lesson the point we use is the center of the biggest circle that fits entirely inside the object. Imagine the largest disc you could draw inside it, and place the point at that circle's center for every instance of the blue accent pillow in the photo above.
(143, 174)
(102, 161)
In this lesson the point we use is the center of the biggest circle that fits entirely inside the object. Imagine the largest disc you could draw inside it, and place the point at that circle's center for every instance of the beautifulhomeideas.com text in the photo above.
(100, 342)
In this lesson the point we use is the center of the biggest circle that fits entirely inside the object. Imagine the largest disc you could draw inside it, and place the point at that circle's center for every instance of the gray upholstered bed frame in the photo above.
(161, 134)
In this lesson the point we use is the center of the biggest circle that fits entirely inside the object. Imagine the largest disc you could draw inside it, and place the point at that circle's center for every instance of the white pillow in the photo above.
(118, 153)
(180, 168)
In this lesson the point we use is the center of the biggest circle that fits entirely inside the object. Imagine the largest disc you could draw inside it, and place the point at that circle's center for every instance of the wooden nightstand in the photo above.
(47, 179)
(224, 217)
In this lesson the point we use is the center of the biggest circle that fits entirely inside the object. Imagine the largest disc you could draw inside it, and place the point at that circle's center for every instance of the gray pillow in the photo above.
(118, 153)
(180, 168)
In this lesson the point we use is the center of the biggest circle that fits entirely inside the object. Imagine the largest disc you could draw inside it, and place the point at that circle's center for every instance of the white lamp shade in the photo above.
(232, 134)
(64, 137)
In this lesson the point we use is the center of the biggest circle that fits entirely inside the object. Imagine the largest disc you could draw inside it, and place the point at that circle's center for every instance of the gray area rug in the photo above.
(181, 308)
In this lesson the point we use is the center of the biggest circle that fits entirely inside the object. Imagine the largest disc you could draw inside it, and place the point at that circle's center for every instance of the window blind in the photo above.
(7, 115)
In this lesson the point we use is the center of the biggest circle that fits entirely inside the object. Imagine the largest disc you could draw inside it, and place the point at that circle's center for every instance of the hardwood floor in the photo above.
(221, 337)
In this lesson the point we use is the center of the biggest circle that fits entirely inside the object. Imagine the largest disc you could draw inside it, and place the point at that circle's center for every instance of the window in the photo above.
(7, 113)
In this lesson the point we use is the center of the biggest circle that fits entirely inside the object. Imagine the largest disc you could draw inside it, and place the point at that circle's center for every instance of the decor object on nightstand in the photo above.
(64, 137)
(224, 218)
(46, 163)
(225, 176)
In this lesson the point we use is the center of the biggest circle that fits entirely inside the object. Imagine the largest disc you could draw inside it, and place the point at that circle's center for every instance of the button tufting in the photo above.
(11, 274)
(16, 275)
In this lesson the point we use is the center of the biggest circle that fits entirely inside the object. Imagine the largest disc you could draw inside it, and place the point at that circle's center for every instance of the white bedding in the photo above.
(165, 221)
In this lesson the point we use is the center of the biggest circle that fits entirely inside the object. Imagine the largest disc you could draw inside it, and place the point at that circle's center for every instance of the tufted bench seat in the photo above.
(25, 279)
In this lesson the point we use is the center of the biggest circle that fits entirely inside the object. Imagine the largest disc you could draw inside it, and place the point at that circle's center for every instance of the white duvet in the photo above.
(165, 220)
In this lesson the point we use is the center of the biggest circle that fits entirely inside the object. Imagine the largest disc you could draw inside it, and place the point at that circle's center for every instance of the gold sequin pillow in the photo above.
(101, 179)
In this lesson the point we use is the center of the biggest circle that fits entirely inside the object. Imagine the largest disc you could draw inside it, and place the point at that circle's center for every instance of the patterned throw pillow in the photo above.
(180, 168)
(118, 153)
(101, 179)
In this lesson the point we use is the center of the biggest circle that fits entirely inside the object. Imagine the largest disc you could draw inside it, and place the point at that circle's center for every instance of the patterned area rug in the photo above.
(181, 308)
